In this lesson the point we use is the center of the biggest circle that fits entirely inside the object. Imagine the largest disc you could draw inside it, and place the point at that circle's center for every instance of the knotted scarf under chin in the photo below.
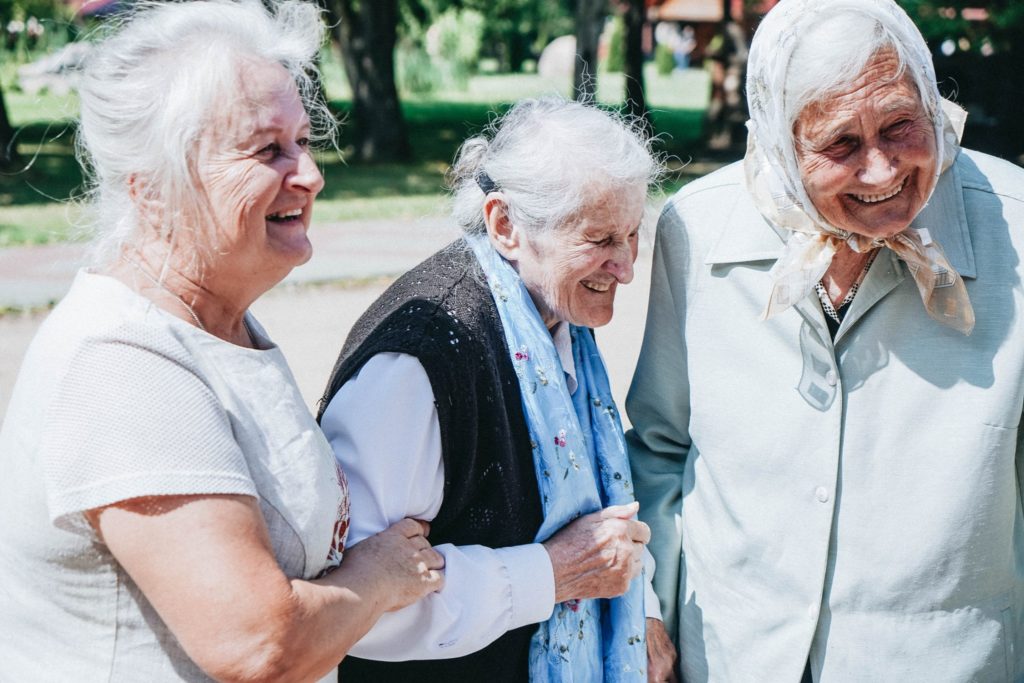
(812, 243)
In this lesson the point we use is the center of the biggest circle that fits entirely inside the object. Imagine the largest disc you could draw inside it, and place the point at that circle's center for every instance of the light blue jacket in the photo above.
(855, 502)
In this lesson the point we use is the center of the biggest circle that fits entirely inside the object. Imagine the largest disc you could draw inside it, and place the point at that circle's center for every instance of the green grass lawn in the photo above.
(38, 203)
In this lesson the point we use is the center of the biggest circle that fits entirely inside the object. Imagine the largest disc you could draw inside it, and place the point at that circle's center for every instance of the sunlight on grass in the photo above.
(33, 201)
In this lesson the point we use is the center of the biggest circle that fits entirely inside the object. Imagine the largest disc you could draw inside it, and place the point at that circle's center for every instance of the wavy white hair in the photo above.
(550, 157)
(148, 95)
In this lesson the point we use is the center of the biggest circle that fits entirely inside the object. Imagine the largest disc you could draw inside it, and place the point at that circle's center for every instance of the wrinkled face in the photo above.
(867, 156)
(256, 169)
(573, 270)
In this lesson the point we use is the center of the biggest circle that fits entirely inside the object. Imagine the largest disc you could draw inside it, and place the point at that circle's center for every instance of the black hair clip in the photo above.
(486, 184)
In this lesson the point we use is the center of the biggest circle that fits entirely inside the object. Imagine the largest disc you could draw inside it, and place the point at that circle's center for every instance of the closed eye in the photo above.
(270, 151)
(841, 147)
(898, 128)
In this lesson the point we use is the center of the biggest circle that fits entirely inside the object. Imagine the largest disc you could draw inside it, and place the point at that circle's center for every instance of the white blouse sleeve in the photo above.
(383, 427)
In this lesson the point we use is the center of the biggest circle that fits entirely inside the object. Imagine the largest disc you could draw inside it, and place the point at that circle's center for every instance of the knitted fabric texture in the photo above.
(442, 313)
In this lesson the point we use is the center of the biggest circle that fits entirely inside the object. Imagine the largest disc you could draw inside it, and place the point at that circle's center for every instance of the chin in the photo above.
(594, 320)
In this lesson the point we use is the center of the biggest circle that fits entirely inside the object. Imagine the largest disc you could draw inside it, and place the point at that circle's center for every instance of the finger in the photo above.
(410, 527)
(407, 527)
(432, 558)
(639, 532)
(636, 566)
(436, 579)
(620, 511)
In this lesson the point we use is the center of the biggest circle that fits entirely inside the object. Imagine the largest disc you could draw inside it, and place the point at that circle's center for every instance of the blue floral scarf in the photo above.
(579, 455)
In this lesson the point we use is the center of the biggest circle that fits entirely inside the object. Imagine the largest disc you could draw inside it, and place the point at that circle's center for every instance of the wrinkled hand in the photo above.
(661, 653)
(402, 561)
(597, 555)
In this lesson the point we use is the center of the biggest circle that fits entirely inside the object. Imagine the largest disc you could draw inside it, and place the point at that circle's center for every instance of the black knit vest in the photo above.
(442, 313)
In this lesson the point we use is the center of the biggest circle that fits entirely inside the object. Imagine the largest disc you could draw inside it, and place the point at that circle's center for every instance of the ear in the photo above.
(504, 236)
(139, 192)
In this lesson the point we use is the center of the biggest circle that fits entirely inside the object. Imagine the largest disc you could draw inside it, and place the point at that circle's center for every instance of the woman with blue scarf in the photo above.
(472, 395)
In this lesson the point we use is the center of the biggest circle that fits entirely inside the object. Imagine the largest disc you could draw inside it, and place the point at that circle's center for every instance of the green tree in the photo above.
(8, 150)
(365, 32)
(590, 15)
(633, 63)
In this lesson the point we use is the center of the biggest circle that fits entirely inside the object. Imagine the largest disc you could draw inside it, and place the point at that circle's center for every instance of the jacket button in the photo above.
(821, 493)
(830, 378)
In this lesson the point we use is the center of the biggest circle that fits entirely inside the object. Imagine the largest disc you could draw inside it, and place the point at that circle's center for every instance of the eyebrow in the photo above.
(277, 129)
(901, 104)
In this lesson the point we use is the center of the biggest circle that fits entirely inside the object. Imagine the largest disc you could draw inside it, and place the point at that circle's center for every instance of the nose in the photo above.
(621, 264)
(878, 167)
(306, 177)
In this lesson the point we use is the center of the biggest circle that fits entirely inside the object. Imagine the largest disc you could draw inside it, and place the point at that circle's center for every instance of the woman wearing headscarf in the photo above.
(169, 509)
(827, 402)
(472, 395)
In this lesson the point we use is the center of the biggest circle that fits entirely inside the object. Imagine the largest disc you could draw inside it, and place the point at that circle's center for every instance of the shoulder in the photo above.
(709, 190)
(100, 313)
(707, 200)
(440, 312)
(443, 294)
(984, 173)
(696, 218)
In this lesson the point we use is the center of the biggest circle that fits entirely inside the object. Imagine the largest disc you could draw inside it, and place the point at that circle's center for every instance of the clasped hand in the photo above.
(597, 555)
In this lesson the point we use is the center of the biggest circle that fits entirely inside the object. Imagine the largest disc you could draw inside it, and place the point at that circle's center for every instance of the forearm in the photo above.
(331, 615)
(487, 593)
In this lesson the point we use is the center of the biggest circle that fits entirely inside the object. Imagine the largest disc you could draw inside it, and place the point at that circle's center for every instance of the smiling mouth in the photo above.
(875, 198)
(284, 216)
(596, 286)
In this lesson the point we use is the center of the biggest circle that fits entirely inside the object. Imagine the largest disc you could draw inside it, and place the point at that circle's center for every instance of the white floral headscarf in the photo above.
(773, 173)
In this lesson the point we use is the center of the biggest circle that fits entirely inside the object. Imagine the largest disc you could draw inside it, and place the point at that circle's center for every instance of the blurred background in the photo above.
(413, 78)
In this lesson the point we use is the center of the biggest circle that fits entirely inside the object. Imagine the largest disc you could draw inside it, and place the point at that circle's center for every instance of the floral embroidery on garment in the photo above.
(581, 464)
(340, 535)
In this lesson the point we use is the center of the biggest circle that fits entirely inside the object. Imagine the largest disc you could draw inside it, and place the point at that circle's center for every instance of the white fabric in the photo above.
(115, 400)
(392, 458)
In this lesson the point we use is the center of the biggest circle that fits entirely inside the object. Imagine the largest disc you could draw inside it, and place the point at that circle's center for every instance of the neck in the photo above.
(170, 287)
(846, 268)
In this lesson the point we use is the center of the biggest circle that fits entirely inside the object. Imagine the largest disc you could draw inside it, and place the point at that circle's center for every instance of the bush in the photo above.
(664, 61)
(417, 74)
(454, 40)
(616, 60)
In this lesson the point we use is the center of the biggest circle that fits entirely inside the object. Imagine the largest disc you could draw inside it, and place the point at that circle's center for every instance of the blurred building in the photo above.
(707, 17)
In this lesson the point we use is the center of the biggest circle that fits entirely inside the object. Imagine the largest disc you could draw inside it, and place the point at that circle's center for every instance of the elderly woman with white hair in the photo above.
(827, 401)
(170, 509)
(472, 395)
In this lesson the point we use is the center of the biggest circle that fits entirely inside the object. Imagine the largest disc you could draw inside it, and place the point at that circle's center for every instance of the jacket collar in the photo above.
(747, 236)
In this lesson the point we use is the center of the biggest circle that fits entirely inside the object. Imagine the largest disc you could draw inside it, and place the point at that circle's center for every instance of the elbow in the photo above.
(255, 662)
(270, 651)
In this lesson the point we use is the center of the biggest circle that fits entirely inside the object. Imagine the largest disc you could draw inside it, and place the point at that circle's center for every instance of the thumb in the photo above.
(626, 511)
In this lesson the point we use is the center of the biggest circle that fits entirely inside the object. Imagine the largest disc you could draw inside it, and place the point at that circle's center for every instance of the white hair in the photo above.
(834, 52)
(550, 157)
(149, 93)
(809, 51)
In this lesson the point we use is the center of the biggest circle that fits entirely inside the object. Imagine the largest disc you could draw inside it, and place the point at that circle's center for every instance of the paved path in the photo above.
(39, 276)
(310, 313)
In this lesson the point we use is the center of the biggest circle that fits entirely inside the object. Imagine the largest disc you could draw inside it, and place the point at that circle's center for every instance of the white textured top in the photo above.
(383, 427)
(116, 400)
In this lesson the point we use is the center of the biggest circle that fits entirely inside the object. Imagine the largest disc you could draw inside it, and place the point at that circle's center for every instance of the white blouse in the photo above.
(384, 430)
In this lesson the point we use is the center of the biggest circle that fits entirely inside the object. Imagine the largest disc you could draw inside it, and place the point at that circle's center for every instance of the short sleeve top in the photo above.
(115, 400)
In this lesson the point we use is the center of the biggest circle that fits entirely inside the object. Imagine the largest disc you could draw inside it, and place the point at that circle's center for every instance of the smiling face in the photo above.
(256, 169)
(572, 271)
(867, 156)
